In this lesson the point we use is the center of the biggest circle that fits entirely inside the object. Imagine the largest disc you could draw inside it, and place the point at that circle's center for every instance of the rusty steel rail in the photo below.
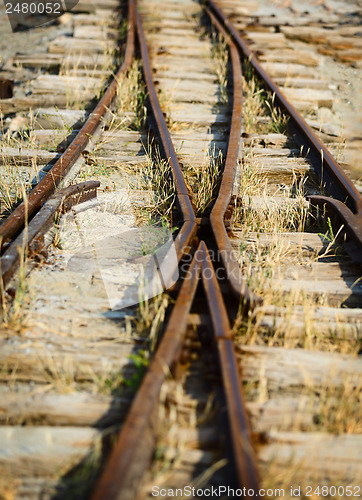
(342, 217)
(327, 167)
(136, 443)
(31, 238)
(227, 255)
(46, 187)
(189, 227)
(244, 454)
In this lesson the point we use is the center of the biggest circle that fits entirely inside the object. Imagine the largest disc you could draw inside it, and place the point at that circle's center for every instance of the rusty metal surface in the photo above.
(329, 171)
(46, 187)
(189, 227)
(342, 217)
(6, 88)
(227, 254)
(136, 443)
(31, 236)
(244, 455)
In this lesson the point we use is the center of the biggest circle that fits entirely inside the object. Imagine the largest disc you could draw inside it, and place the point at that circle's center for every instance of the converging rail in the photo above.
(215, 286)
(136, 443)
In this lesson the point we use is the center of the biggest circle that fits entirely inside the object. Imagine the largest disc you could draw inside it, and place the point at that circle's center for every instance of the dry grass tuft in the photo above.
(148, 319)
(203, 182)
(129, 111)
(15, 304)
(220, 56)
(288, 214)
(252, 105)
(15, 178)
(156, 188)
(258, 106)
(339, 408)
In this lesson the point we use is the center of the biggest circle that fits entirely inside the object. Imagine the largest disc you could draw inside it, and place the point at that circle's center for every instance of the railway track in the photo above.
(253, 376)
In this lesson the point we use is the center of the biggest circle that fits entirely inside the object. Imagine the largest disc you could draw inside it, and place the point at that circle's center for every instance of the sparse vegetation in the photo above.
(165, 99)
(338, 409)
(148, 318)
(252, 106)
(130, 111)
(94, 169)
(258, 106)
(94, 77)
(204, 182)
(141, 362)
(155, 180)
(15, 179)
(16, 300)
(266, 262)
(258, 211)
(220, 56)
